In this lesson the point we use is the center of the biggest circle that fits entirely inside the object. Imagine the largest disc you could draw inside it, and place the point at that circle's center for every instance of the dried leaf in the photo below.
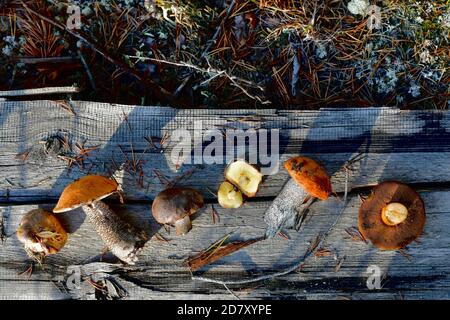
(217, 251)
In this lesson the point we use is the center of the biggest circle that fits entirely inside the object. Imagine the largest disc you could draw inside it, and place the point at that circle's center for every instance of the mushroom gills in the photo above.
(121, 238)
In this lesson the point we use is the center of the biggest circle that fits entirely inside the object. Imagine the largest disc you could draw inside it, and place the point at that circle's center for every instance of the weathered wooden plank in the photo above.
(412, 146)
(161, 273)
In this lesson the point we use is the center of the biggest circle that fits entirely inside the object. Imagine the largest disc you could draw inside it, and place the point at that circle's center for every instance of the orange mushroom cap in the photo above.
(84, 191)
(310, 175)
(388, 236)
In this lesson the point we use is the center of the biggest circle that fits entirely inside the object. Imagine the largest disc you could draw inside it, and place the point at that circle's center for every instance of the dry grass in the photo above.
(302, 54)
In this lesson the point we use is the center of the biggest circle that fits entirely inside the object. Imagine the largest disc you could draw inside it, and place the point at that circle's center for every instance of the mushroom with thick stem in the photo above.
(309, 180)
(174, 206)
(124, 240)
(41, 234)
(392, 216)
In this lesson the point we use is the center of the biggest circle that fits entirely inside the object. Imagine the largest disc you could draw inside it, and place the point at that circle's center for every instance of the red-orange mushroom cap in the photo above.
(392, 216)
(174, 206)
(85, 191)
(310, 175)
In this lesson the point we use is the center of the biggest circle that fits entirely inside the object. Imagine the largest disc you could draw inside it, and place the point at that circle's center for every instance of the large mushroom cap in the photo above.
(41, 232)
(395, 235)
(310, 175)
(174, 204)
(84, 191)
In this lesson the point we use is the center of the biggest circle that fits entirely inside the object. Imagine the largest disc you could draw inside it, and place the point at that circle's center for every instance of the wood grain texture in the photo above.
(396, 144)
(161, 272)
(412, 146)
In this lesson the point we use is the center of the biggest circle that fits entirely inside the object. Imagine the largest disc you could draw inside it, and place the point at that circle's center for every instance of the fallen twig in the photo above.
(208, 47)
(88, 71)
(214, 73)
(354, 233)
(159, 91)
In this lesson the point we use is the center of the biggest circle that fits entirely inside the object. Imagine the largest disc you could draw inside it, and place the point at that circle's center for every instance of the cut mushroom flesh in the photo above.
(244, 176)
(228, 196)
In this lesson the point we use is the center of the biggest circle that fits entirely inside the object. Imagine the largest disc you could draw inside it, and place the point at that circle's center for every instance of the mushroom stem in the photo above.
(285, 209)
(124, 240)
(183, 226)
(394, 213)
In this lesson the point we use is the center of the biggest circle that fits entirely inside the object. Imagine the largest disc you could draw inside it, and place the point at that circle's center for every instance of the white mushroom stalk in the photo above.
(286, 208)
(309, 181)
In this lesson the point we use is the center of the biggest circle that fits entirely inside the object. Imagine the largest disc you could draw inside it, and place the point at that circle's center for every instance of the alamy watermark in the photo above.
(74, 19)
(214, 146)
(73, 281)
(375, 277)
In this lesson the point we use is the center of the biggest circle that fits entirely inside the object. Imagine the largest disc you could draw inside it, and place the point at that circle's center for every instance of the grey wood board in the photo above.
(412, 146)
(161, 272)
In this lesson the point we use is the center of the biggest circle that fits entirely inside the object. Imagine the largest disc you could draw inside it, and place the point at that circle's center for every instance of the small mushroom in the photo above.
(229, 196)
(392, 216)
(244, 176)
(124, 240)
(174, 206)
(309, 180)
(41, 233)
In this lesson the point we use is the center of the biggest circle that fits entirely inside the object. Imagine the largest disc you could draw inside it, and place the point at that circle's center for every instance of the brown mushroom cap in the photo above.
(41, 232)
(174, 204)
(382, 235)
(310, 175)
(84, 191)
